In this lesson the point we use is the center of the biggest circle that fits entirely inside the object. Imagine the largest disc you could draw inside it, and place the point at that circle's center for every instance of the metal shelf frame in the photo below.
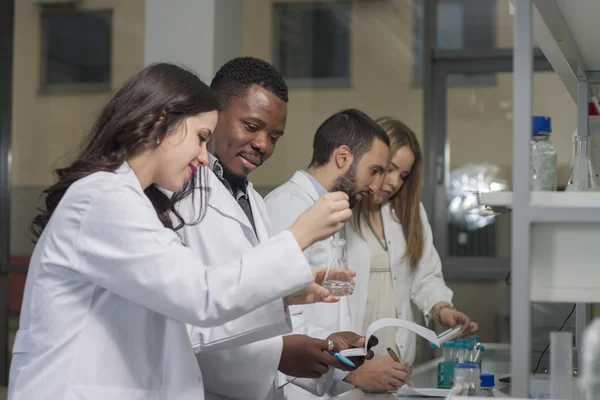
(557, 43)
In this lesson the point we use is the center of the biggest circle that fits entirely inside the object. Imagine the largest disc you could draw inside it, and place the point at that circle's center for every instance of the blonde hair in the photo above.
(405, 204)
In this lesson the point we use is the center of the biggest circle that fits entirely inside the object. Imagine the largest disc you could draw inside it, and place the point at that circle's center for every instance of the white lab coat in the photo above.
(285, 204)
(109, 291)
(250, 371)
(424, 285)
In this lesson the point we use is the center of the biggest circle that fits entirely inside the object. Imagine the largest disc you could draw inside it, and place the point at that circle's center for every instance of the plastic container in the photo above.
(449, 352)
(487, 384)
(466, 379)
(543, 156)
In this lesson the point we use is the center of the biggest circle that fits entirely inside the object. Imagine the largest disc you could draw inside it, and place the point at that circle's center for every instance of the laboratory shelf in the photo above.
(555, 235)
(552, 206)
(566, 32)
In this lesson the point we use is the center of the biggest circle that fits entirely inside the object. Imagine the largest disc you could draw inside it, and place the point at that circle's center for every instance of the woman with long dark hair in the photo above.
(110, 286)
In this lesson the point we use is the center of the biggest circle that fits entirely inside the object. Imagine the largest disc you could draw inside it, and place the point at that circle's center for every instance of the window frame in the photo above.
(311, 82)
(72, 87)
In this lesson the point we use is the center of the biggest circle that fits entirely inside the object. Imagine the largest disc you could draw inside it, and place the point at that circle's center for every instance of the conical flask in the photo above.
(337, 283)
(583, 174)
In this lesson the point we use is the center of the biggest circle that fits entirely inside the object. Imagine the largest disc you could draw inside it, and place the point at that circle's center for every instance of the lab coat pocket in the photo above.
(84, 392)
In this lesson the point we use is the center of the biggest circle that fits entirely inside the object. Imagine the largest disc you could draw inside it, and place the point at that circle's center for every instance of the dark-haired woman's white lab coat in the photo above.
(109, 291)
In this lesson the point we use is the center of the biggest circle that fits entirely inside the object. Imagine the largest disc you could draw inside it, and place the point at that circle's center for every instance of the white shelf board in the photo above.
(586, 200)
(565, 262)
(566, 32)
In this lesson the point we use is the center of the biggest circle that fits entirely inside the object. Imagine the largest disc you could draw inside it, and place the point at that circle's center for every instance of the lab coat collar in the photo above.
(128, 174)
(299, 178)
(222, 201)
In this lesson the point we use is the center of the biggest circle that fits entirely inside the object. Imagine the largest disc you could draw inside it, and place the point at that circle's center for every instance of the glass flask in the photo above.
(466, 377)
(583, 174)
(336, 283)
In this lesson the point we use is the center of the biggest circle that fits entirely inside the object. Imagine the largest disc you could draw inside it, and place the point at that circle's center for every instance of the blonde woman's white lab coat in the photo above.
(248, 372)
(285, 204)
(423, 285)
(109, 291)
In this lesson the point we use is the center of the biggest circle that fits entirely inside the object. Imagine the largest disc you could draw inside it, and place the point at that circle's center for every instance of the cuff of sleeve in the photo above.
(339, 375)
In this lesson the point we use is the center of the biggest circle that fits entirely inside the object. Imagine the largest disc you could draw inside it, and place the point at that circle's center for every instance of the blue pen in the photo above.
(339, 357)
(343, 359)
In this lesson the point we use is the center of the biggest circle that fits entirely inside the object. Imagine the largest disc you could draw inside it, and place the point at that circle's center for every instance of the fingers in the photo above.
(336, 196)
(402, 366)
(318, 291)
(401, 375)
(373, 341)
(395, 384)
(323, 345)
(330, 299)
(474, 327)
(320, 368)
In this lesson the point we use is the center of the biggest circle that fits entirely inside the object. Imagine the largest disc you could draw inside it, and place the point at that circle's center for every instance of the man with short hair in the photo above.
(253, 97)
(350, 154)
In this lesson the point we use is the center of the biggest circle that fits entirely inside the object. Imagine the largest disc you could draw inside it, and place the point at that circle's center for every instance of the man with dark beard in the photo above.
(350, 154)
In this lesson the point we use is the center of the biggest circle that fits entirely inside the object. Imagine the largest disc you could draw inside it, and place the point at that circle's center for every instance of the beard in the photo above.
(347, 184)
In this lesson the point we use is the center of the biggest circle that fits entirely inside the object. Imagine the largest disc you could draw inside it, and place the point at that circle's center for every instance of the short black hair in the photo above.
(236, 76)
(352, 128)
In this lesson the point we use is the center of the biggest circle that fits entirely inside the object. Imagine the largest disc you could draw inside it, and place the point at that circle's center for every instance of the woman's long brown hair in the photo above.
(144, 110)
(405, 204)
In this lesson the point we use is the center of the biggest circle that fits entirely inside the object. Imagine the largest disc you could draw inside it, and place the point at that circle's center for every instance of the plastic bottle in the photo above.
(543, 156)
(466, 377)
(487, 384)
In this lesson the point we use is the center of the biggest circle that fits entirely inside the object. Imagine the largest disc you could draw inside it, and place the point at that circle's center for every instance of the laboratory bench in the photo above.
(495, 360)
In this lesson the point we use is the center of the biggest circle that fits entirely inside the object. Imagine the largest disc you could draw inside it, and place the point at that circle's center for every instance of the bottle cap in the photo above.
(541, 125)
(487, 380)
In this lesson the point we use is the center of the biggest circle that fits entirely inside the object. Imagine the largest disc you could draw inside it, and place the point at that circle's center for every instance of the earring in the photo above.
(157, 141)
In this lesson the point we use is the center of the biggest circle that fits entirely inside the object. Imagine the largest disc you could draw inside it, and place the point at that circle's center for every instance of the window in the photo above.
(311, 43)
(460, 25)
(76, 51)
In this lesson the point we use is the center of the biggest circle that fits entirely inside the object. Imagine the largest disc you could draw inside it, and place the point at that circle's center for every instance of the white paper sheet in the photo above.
(428, 334)
(407, 391)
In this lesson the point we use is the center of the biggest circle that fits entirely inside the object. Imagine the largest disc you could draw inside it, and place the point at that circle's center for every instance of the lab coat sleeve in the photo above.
(283, 210)
(428, 286)
(242, 373)
(123, 248)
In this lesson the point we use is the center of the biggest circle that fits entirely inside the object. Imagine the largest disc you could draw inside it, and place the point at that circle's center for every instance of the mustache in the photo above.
(254, 158)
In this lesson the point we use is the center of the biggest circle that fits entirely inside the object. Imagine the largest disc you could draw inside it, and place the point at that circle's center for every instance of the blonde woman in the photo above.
(391, 249)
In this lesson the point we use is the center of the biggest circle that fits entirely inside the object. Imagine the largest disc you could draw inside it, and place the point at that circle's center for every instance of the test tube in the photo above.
(474, 340)
(447, 349)
(480, 348)
(450, 334)
(461, 352)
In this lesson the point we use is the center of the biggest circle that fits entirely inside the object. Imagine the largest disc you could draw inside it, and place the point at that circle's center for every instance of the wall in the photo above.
(479, 117)
(46, 127)
(382, 56)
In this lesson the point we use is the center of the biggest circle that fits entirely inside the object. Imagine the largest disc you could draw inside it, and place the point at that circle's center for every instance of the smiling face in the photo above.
(248, 130)
(398, 172)
(183, 150)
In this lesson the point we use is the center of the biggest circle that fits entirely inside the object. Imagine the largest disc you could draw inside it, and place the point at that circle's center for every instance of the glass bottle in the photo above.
(336, 283)
(487, 385)
(543, 156)
(583, 174)
(466, 377)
